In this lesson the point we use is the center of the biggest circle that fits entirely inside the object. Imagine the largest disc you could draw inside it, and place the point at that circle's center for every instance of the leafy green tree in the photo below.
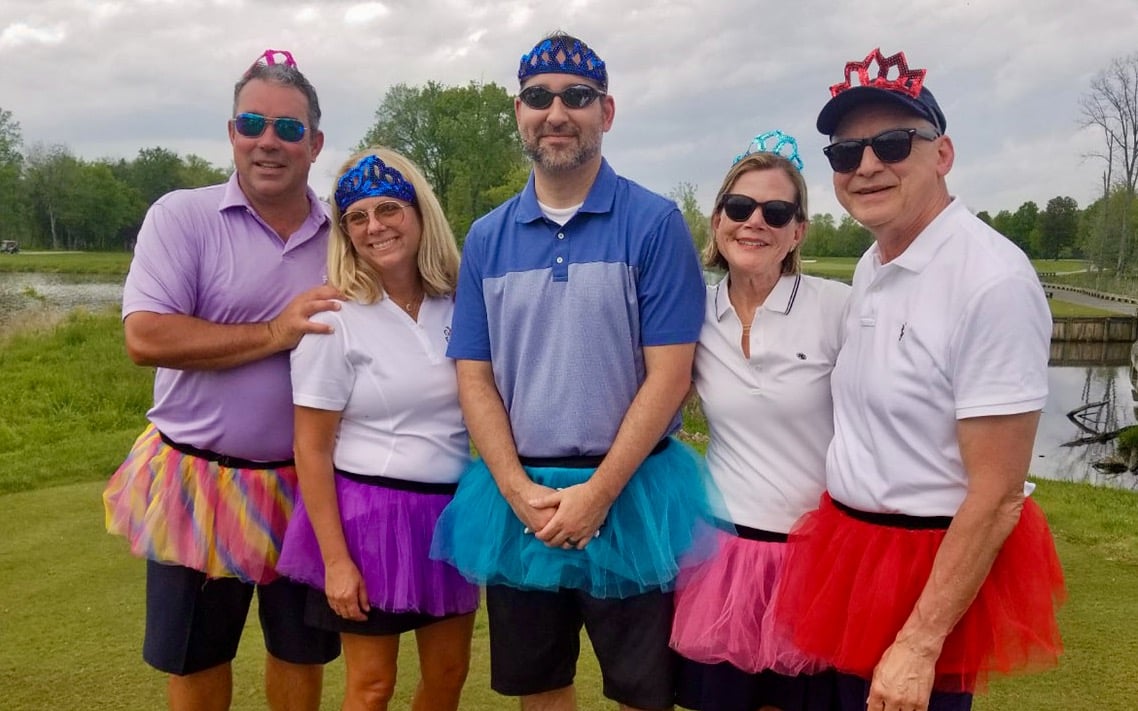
(100, 209)
(821, 236)
(1018, 226)
(463, 138)
(153, 173)
(52, 173)
(1057, 228)
(13, 199)
(984, 217)
(1111, 106)
(698, 223)
(198, 172)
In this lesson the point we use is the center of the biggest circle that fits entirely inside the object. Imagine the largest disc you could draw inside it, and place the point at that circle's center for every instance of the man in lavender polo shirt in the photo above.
(221, 288)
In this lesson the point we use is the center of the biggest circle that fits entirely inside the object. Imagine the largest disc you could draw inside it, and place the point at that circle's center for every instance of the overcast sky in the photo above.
(693, 81)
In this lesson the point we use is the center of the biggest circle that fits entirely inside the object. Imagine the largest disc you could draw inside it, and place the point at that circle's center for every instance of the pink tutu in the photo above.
(724, 611)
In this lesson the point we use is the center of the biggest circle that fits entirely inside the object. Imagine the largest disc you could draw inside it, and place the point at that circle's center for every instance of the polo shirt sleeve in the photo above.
(321, 370)
(164, 269)
(1000, 351)
(670, 285)
(470, 331)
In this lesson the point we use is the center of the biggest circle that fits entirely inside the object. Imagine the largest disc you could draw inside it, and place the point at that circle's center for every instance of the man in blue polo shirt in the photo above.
(579, 304)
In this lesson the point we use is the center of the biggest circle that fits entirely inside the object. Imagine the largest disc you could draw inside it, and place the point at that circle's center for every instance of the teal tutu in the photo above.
(661, 516)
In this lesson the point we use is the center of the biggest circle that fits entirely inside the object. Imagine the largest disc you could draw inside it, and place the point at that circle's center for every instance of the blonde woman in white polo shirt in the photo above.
(380, 440)
(762, 370)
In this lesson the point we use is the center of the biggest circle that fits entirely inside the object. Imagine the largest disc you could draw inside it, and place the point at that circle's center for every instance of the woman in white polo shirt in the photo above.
(762, 370)
(380, 440)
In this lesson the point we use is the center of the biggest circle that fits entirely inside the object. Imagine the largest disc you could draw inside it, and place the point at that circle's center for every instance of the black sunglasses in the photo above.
(577, 96)
(892, 146)
(739, 208)
(253, 125)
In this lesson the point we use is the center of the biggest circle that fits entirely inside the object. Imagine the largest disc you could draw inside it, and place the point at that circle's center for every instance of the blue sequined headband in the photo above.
(555, 55)
(371, 177)
(775, 142)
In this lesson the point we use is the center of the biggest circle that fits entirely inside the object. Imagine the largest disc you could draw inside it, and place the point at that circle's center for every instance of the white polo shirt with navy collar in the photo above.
(770, 415)
(955, 327)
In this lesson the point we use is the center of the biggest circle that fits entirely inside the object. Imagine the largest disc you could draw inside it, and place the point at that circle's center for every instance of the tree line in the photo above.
(465, 141)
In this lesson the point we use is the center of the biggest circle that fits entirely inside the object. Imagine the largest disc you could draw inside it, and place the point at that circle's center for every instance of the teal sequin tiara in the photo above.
(775, 142)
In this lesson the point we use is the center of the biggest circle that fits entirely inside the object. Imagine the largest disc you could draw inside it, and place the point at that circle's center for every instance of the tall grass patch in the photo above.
(72, 403)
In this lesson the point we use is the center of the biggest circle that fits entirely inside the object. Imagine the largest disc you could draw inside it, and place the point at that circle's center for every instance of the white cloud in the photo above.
(692, 81)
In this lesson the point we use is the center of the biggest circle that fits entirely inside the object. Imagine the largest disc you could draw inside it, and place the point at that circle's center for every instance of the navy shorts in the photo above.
(319, 614)
(725, 687)
(535, 638)
(194, 623)
(853, 692)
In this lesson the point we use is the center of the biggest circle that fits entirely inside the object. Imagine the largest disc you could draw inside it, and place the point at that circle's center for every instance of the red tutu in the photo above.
(724, 611)
(849, 586)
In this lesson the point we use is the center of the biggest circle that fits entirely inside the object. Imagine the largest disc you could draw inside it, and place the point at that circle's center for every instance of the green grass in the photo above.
(72, 403)
(71, 597)
(109, 263)
(1059, 266)
(1065, 309)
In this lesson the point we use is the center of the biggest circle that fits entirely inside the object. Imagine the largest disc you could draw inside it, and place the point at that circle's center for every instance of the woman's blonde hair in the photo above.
(438, 253)
(762, 160)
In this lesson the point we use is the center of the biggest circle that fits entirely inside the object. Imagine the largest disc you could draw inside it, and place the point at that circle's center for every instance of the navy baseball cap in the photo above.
(906, 91)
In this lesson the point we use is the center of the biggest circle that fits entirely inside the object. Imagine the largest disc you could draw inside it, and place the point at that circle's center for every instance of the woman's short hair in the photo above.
(762, 160)
(438, 253)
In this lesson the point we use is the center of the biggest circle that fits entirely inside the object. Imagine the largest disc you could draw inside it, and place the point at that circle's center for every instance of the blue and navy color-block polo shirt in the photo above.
(563, 313)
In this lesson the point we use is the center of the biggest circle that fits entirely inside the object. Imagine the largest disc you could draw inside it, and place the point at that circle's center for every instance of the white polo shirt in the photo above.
(955, 327)
(395, 386)
(770, 415)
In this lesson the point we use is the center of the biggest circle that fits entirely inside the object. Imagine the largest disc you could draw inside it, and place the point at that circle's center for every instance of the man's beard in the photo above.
(568, 158)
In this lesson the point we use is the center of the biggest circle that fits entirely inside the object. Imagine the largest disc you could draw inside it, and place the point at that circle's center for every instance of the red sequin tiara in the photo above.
(908, 81)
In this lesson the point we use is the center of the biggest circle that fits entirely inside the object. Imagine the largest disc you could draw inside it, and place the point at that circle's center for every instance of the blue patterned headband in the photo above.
(372, 178)
(563, 55)
(775, 142)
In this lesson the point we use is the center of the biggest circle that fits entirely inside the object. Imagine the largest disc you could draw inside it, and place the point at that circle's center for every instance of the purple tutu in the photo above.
(725, 611)
(388, 533)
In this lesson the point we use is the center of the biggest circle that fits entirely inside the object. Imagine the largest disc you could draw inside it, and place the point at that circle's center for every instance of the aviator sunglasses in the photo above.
(388, 214)
(892, 146)
(253, 125)
(739, 208)
(577, 96)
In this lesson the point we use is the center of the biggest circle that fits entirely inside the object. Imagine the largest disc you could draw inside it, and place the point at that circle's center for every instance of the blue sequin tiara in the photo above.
(371, 177)
(775, 142)
(561, 54)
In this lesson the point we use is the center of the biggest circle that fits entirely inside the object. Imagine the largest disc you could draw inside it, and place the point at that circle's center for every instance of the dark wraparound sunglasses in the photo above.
(892, 146)
(253, 125)
(577, 96)
(739, 208)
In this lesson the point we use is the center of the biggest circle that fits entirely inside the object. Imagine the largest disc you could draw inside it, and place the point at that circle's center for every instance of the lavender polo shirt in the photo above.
(206, 253)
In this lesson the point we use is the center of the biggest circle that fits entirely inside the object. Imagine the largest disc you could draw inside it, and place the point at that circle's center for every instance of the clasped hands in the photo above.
(565, 518)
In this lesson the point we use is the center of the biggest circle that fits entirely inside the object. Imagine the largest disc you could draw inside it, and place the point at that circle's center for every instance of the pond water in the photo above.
(1107, 389)
(26, 295)
(1079, 375)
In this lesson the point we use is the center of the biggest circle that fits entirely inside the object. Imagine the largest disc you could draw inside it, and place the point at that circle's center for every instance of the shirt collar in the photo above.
(922, 250)
(319, 213)
(599, 200)
(780, 300)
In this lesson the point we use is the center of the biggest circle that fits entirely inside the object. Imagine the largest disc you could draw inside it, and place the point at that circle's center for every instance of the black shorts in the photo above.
(535, 641)
(319, 614)
(194, 622)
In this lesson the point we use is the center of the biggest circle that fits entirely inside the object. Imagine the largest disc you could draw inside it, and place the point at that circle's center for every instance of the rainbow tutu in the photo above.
(227, 522)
